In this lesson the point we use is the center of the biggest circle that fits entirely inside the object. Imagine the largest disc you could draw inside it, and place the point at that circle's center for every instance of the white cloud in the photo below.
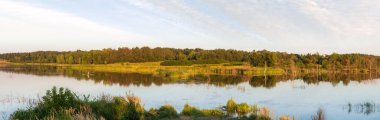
(28, 28)
(181, 13)
(300, 26)
(310, 25)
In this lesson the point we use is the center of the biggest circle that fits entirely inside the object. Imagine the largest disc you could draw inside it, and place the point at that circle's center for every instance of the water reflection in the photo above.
(365, 108)
(294, 95)
(220, 80)
(264, 81)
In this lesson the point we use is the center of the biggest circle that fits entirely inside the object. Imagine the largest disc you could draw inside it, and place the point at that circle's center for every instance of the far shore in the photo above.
(183, 71)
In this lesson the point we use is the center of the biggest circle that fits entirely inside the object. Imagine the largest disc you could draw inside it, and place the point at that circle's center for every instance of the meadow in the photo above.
(175, 72)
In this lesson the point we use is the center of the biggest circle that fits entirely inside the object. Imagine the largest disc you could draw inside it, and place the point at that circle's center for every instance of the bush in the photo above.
(152, 114)
(134, 110)
(167, 112)
(213, 113)
(131, 113)
(191, 111)
(243, 109)
(231, 107)
(59, 100)
(53, 103)
(24, 114)
(109, 108)
(194, 112)
(104, 108)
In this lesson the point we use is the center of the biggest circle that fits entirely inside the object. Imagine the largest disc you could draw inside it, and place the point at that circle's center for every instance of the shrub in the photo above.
(231, 107)
(131, 113)
(119, 106)
(24, 114)
(243, 109)
(104, 108)
(134, 110)
(52, 104)
(194, 112)
(167, 111)
(213, 113)
(152, 114)
(59, 100)
(191, 111)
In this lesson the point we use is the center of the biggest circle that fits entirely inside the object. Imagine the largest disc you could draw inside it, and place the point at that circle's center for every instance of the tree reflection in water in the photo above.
(365, 108)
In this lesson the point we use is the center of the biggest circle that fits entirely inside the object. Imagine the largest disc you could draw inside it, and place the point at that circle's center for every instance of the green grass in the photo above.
(176, 72)
(184, 72)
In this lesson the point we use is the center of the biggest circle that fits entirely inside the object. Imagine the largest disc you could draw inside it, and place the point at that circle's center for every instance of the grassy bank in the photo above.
(171, 71)
(183, 72)
(62, 104)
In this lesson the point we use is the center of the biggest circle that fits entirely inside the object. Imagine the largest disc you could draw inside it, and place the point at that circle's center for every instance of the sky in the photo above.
(296, 26)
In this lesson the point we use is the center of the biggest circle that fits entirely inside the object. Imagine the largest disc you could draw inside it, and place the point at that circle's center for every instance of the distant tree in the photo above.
(145, 54)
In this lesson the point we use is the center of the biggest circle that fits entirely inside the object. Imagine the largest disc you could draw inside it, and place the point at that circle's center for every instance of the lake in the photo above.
(342, 96)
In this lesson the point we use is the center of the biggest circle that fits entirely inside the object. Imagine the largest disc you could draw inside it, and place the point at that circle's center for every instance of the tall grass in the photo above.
(175, 72)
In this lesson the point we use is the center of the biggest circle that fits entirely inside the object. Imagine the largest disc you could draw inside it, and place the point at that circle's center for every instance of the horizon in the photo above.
(292, 26)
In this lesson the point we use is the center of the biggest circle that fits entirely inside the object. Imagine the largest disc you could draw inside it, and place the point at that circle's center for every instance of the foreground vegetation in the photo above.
(62, 104)
(183, 57)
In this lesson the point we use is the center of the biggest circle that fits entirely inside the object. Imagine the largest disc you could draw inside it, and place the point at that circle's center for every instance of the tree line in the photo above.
(145, 54)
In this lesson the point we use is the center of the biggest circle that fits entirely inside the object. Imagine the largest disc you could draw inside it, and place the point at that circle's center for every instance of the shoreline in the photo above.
(180, 71)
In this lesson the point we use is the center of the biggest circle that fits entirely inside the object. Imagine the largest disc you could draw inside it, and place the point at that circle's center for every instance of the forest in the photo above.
(188, 56)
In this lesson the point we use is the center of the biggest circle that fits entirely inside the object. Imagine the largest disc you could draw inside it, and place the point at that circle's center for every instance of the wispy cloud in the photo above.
(300, 26)
(37, 27)
(310, 25)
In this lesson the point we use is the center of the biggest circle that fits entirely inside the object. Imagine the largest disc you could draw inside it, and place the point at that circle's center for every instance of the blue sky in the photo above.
(297, 26)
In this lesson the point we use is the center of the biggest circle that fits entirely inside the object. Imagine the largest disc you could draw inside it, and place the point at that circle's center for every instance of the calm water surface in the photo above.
(343, 97)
